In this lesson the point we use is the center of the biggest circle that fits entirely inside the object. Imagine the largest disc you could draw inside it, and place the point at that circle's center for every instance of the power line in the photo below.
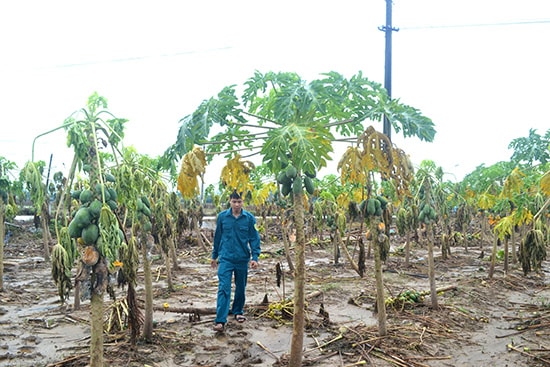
(137, 58)
(472, 25)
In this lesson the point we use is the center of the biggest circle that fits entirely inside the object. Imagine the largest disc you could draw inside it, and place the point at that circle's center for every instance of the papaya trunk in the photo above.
(513, 242)
(96, 341)
(431, 265)
(148, 279)
(173, 255)
(380, 297)
(484, 234)
(77, 287)
(493, 258)
(167, 256)
(45, 231)
(299, 285)
(335, 245)
(287, 251)
(407, 248)
(506, 255)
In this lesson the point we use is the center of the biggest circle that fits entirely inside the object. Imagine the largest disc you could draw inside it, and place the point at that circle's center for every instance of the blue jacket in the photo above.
(236, 239)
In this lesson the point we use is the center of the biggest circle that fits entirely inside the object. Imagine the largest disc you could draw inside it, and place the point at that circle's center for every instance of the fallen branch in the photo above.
(324, 344)
(318, 359)
(191, 310)
(267, 350)
(526, 328)
(530, 355)
(69, 360)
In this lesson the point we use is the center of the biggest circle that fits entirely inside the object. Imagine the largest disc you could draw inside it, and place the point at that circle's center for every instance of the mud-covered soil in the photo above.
(479, 322)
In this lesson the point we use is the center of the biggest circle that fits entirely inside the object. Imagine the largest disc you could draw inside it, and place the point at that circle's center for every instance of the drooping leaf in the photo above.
(193, 165)
(545, 183)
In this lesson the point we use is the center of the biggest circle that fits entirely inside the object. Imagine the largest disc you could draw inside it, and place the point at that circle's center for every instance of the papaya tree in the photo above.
(427, 215)
(292, 124)
(134, 178)
(7, 207)
(481, 189)
(407, 223)
(94, 224)
(532, 149)
(32, 174)
(375, 159)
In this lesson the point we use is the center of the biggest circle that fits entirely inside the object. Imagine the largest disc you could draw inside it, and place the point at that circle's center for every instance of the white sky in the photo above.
(478, 69)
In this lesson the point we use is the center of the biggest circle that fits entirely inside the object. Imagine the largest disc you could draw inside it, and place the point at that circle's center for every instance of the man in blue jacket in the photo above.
(236, 246)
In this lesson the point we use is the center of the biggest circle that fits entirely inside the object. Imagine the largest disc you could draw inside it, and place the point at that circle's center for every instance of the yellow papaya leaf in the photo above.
(352, 167)
(513, 183)
(504, 227)
(236, 174)
(486, 201)
(545, 183)
(343, 200)
(193, 164)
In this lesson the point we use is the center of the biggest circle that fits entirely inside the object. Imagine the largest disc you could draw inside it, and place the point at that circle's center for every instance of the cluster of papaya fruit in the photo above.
(289, 180)
(426, 213)
(144, 213)
(373, 206)
(84, 225)
(407, 297)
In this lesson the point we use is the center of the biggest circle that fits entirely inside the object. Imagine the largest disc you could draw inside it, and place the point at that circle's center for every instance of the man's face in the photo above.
(236, 204)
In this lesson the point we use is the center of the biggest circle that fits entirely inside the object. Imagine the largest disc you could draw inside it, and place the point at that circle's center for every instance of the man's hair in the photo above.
(235, 195)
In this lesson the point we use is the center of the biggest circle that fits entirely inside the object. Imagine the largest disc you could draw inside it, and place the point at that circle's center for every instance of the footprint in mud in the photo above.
(224, 335)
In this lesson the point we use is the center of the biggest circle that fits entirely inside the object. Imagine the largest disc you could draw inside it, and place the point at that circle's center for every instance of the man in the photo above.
(236, 246)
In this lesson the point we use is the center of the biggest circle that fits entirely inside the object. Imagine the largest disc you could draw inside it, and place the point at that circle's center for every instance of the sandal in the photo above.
(240, 318)
(218, 327)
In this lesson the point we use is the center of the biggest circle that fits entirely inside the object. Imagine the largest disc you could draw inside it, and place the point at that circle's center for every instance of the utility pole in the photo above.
(388, 29)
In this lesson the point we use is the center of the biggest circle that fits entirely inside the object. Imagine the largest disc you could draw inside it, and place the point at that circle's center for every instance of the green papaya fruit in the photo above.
(112, 204)
(371, 207)
(95, 208)
(112, 194)
(146, 201)
(308, 184)
(282, 178)
(377, 204)
(82, 217)
(310, 173)
(76, 194)
(291, 171)
(86, 196)
(109, 177)
(90, 234)
(74, 229)
(286, 188)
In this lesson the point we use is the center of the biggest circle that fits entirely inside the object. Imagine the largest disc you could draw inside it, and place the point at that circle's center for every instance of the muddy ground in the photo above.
(480, 322)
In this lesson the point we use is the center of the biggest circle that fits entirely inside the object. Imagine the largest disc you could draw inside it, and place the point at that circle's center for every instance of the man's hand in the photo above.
(253, 264)
(213, 263)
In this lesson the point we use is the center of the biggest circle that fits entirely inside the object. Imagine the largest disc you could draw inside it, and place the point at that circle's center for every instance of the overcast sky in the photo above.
(478, 69)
